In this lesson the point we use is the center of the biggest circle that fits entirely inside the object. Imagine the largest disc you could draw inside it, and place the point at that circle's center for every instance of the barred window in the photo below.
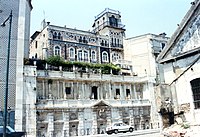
(195, 84)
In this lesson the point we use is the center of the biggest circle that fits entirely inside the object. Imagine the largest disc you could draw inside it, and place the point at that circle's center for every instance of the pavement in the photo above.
(138, 133)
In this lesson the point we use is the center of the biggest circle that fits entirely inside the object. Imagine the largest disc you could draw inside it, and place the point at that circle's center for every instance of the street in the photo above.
(140, 133)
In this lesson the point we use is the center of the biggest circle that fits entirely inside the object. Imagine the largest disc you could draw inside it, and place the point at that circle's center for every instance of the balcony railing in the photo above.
(82, 103)
(108, 24)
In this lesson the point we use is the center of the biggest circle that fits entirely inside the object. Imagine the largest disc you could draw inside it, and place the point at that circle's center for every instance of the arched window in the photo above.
(112, 42)
(80, 58)
(71, 53)
(104, 56)
(93, 56)
(195, 84)
(84, 40)
(85, 55)
(57, 51)
(59, 35)
(106, 43)
(113, 21)
(54, 35)
(102, 43)
(80, 39)
(118, 45)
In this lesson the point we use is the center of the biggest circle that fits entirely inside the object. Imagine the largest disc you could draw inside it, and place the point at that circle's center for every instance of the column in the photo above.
(83, 91)
(43, 89)
(50, 128)
(66, 124)
(131, 116)
(72, 89)
(63, 93)
(121, 91)
(58, 89)
(134, 92)
(80, 125)
(109, 117)
(78, 93)
(94, 123)
(110, 91)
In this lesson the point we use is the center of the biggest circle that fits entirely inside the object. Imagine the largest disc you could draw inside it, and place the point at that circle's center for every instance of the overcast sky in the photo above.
(139, 16)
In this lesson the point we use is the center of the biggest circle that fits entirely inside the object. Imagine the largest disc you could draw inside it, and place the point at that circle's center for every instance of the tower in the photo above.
(108, 23)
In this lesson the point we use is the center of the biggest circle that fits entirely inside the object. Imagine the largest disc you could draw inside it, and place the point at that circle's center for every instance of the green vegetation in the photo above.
(105, 68)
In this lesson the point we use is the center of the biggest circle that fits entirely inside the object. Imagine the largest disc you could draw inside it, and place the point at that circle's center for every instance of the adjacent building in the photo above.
(19, 48)
(144, 49)
(180, 59)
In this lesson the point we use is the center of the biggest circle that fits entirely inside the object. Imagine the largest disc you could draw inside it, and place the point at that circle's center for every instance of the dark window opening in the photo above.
(113, 21)
(94, 93)
(59, 36)
(127, 92)
(55, 35)
(195, 84)
(67, 90)
(117, 91)
(36, 43)
(163, 45)
(65, 51)
(80, 39)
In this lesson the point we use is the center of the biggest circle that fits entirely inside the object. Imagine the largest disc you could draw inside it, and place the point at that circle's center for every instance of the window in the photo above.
(93, 55)
(55, 35)
(80, 55)
(85, 55)
(102, 43)
(80, 39)
(36, 55)
(115, 57)
(106, 43)
(36, 43)
(195, 84)
(94, 94)
(163, 45)
(113, 21)
(117, 91)
(59, 35)
(84, 40)
(118, 43)
(127, 92)
(104, 56)
(67, 90)
(71, 53)
(57, 51)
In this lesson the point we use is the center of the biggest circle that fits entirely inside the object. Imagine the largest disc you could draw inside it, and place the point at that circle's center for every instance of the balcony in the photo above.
(88, 76)
(114, 45)
(63, 103)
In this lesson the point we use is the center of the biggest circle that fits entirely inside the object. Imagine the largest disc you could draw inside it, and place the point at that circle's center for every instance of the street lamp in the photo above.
(7, 72)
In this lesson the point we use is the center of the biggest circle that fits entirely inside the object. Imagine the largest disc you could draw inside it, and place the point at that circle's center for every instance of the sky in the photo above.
(138, 16)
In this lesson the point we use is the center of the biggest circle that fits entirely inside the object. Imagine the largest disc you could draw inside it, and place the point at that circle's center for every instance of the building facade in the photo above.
(181, 65)
(103, 45)
(65, 103)
(144, 49)
(19, 47)
(75, 103)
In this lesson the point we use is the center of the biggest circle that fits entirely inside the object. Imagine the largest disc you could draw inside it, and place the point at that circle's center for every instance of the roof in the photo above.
(179, 31)
(35, 34)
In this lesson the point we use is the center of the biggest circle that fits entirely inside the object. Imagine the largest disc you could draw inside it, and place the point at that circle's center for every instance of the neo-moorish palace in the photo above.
(73, 103)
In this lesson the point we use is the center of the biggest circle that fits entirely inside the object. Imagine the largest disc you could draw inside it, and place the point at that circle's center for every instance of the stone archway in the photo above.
(103, 115)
